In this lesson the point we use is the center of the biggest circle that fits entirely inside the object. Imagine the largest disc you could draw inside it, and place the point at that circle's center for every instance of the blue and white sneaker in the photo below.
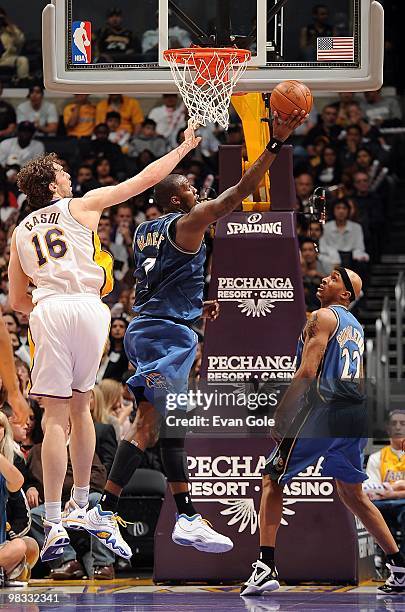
(196, 531)
(56, 538)
(104, 525)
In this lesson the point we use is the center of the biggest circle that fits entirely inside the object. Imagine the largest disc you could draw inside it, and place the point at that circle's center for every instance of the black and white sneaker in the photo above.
(263, 578)
(395, 582)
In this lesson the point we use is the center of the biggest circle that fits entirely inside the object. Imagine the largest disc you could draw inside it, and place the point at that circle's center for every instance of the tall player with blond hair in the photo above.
(56, 247)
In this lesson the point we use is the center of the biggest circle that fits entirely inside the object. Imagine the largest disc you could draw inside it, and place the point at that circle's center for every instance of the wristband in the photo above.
(274, 146)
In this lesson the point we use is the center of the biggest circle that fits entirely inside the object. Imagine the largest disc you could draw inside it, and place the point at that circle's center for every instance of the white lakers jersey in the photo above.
(61, 256)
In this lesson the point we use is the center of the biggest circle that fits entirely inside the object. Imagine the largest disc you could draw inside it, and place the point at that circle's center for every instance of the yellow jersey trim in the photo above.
(105, 260)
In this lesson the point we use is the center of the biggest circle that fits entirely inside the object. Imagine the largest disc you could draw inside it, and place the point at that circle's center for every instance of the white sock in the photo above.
(81, 496)
(53, 512)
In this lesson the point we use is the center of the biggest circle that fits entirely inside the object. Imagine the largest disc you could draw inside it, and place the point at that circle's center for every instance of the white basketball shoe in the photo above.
(104, 525)
(196, 531)
(56, 538)
(263, 578)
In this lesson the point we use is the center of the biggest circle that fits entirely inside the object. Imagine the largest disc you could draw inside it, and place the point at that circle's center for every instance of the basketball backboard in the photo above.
(337, 47)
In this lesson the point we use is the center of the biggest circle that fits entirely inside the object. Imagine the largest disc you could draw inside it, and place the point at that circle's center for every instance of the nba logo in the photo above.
(81, 42)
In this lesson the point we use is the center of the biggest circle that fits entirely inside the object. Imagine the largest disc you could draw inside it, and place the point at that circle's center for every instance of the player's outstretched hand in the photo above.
(210, 310)
(189, 134)
(20, 408)
(283, 129)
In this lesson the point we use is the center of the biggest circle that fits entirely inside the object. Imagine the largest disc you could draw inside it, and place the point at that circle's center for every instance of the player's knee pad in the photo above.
(174, 459)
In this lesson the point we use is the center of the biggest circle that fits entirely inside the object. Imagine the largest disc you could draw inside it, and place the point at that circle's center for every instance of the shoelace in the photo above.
(207, 523)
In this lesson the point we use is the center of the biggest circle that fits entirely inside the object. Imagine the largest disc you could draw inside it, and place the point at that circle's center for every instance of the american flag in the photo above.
(335, 48)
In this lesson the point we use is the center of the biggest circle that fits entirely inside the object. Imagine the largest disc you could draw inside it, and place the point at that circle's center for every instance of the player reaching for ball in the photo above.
(57, 248)
(169, 258)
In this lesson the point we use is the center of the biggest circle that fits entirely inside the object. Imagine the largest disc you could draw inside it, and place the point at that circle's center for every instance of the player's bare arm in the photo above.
(19, 298)
(9, 377)
(87, 210)
(13, 477)
(316, 337)
(191, 227)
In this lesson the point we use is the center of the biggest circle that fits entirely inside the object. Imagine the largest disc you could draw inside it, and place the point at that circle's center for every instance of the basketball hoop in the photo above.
(206, 78)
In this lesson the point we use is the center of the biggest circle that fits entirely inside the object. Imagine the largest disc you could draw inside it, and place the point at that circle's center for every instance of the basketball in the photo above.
(289, 96)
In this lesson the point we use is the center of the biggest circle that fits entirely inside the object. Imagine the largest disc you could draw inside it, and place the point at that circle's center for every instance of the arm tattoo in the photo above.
(312, 326)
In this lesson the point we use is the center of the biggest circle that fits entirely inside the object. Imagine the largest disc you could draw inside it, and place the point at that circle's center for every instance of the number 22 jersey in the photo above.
(61, 256)
(340, 374)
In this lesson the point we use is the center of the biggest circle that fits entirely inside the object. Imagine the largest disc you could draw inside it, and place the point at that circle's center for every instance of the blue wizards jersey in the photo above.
(169, 280)
(340, 373)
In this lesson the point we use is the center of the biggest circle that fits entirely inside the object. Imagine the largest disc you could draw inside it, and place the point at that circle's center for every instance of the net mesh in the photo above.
(206, 80)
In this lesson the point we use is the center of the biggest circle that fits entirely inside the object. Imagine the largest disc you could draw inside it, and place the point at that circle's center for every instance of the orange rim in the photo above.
(183, 56)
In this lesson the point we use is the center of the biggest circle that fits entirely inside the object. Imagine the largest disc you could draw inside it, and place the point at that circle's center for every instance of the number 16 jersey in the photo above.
(61, 256)
(340, 374)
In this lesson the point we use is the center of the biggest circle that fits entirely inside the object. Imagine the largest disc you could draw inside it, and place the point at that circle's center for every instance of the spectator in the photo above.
(304, 187)
(169, 118)
(106, 440)
(128, 108)
(79, 117)
(119, 251)
(310, 33)
(118, 360)
(12, 40)
(99, 410)
(369, 213)
(84, 180)
(6, 210)
(113, 395)
(117, 135)
(343, 240)
(8, 120)
(386, 472)
(147, 139)
(329, 171)
(100, 147)
(152, 212)
(38, 111)
(97, 559)
(178, 38)
(123, 232)
(345, 98)
(33, 429)
(371, 134)
(114, 42)
(319, 144)
(102, 172)
(327, 126)
(20, 350)
(12, 552)
(144, 159)
(350, 145)
(312, 274)
(22, 148)
(381, 110)
(123, 308)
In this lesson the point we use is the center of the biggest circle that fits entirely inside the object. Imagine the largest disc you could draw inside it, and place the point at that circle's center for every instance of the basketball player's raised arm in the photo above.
(98, 199)
(191, 227)
(317, 333)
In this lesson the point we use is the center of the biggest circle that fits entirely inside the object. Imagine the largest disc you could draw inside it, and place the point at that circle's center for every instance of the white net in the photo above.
(206, 81)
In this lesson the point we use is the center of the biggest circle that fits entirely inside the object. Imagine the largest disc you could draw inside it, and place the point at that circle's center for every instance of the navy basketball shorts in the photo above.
(162, 353)
(335, 432)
